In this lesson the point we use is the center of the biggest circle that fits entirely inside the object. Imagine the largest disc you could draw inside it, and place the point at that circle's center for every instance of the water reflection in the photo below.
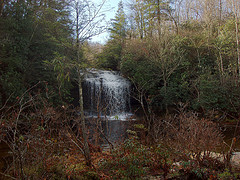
(101, 132)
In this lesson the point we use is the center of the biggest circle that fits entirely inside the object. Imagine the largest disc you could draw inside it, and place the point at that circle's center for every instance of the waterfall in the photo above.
(106, 93)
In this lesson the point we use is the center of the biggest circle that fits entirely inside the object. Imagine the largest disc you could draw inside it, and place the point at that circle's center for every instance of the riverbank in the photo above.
(129, 159)
(52, 147)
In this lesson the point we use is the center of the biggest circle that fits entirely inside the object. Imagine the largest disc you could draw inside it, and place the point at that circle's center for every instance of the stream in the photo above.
(107, 106)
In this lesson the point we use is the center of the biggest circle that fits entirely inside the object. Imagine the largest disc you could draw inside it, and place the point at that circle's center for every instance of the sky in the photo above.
(113, 6)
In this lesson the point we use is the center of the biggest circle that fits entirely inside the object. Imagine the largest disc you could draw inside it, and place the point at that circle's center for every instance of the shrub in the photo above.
(132, 160)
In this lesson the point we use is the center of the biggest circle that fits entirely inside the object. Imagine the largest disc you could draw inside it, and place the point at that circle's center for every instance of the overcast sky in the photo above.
(112, 6)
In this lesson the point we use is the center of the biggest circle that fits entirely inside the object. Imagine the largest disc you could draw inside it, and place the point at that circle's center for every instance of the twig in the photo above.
(7, 175)
(6, 102)
(78, 146)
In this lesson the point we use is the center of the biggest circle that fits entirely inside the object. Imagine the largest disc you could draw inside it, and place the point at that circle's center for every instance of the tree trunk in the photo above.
(80, 79)
(234, 6)
(221, 62)
(220, 12)
(159, 18)
(237, 42)
(84, 131)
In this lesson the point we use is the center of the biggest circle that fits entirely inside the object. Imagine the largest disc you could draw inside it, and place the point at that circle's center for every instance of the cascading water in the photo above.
(107, 94)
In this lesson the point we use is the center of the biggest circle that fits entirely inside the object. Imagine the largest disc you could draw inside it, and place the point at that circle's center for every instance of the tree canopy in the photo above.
(175, 51)
(180, 51)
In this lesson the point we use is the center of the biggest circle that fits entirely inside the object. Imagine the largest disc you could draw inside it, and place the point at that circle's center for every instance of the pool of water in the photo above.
(231, 131)
(113, 131)
(116, 132)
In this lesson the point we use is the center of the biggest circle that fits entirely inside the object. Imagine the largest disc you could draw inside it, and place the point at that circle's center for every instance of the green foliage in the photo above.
(134, 160)
(30, 33)
(228, 175)
(158, 71)
(119, 24)
(111, 56)
(139, 126)
(135, 66)
(190, 67)
(216, 94)
(130, 161)
(225, 175)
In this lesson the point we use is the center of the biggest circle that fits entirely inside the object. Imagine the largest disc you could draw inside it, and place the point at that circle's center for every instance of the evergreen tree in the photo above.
(119, 24)
(30, 33)
(111, 55)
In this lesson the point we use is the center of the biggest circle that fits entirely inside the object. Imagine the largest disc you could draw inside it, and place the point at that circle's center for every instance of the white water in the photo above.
(107, 94)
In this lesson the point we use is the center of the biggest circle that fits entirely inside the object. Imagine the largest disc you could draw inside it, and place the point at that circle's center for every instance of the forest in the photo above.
(182, 58)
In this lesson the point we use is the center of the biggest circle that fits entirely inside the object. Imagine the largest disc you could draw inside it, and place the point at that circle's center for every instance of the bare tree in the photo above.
(88, 18)
(235, 8)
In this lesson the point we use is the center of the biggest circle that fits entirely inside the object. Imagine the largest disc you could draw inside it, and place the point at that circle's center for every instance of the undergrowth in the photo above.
(133, 160)
(45, 143)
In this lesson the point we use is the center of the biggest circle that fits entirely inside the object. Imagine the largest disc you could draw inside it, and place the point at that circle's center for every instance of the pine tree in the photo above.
(119, 24)
(111, 55)
(31, 32)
